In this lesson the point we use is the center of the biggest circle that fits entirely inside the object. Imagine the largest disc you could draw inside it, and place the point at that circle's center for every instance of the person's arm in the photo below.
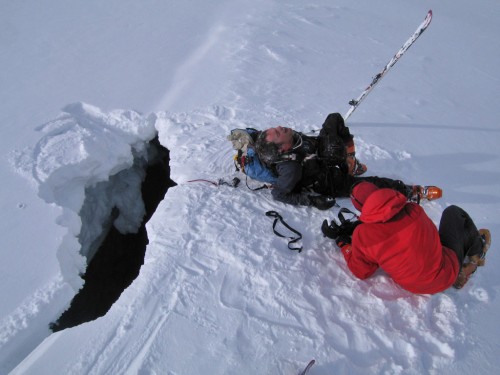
(357, 262)
(289, 175)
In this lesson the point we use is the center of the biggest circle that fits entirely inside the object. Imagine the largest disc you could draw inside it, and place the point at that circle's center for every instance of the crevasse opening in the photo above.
(116, 254)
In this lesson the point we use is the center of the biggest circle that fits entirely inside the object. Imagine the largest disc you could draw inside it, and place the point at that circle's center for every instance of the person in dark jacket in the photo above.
(398, 236)
(327, 165)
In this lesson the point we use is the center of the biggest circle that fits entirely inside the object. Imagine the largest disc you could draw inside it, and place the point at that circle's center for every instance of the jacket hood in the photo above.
(382, 205)
(360, 192)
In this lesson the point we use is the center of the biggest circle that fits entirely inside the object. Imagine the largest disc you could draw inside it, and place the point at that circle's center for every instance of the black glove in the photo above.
(321, 202)
(343, 240)
(330, 231)
(348, 227)
(335, 230)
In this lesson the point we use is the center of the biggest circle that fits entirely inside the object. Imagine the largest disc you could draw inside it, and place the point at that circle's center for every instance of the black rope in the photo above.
(277, 217)
(234, 182)
(264, 186)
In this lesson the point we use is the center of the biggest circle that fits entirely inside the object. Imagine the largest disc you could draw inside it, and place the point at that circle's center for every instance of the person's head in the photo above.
(360, 192)
(273, 142)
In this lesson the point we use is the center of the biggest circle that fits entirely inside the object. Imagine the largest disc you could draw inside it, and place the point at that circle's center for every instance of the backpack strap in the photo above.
(277, 217)
(343, 220)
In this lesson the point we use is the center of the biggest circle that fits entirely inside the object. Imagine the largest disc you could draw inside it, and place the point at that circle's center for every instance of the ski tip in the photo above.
(427, 20)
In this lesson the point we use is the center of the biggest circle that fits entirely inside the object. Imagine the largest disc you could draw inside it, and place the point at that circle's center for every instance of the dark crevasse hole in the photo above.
(119, 258)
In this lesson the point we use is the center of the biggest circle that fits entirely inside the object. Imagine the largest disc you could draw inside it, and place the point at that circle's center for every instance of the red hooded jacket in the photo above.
(399, 237)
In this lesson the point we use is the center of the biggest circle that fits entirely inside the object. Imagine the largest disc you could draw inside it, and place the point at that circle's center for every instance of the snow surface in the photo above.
(219, 293)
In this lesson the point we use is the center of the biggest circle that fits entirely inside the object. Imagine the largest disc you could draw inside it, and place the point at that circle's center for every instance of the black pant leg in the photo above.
(344, 182)
(385, 182)
(458, 232)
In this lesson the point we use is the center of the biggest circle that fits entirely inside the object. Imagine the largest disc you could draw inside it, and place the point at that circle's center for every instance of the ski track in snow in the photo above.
(182, 76)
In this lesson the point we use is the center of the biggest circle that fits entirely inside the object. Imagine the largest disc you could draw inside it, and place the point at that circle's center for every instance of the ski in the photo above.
(423, 26)
(309, 365)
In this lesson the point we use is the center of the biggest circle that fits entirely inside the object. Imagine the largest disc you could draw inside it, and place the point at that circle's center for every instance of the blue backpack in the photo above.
(247, 160)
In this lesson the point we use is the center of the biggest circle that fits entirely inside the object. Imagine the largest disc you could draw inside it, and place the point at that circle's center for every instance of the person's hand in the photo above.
(343, 240)
(335, 230)
(321, 202)
(330, 231)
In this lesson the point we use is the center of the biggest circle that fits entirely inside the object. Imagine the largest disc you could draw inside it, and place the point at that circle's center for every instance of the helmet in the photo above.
(268, 153)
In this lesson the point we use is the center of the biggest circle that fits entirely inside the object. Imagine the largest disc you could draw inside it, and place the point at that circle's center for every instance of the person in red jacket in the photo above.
(398, 236)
